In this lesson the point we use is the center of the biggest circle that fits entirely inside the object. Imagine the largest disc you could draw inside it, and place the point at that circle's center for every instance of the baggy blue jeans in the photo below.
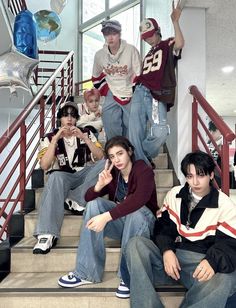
(146, 136)
(145, 266)
(59, 186)
(91, 253)
(90, 179)
(115, 117)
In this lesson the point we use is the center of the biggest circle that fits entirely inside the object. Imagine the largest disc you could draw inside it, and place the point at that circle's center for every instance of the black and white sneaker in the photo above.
(71, 281)
(123, 291)
(74, 207)
(44, 244)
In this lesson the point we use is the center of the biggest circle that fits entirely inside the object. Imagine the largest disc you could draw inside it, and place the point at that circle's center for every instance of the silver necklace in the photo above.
(70, 141)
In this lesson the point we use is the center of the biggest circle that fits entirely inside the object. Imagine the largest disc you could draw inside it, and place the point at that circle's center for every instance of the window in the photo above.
(92, 8)
(92, 41)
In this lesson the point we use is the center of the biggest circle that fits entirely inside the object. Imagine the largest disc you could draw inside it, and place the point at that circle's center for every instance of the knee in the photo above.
(93, 208)
(134, 247)
(55, 178)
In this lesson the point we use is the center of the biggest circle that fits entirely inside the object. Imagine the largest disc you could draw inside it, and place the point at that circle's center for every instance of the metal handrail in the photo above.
(16, 6)
(198, 138)
(24, 137)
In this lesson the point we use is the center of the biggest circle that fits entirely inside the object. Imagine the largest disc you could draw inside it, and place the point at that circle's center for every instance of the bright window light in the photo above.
(227, 69)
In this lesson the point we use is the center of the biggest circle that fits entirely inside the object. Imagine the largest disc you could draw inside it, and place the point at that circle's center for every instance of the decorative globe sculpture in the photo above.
(48, 25)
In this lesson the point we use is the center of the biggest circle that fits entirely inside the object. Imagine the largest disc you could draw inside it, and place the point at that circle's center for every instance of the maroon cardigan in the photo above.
(141, 191)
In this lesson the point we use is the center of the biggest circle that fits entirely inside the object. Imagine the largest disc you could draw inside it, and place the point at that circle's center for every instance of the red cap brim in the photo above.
(147, 34)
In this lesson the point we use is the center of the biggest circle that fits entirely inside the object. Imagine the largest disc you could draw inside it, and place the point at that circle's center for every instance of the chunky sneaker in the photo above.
(123, 290)
(71, 281)
(74, 207)
(44, 244)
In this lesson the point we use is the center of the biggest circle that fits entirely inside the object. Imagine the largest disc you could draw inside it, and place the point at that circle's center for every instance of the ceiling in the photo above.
(221, 52)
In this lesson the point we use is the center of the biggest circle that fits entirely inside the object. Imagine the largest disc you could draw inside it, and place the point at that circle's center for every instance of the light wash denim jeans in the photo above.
(146, 136)
(59, 186)
(145, 266)
(91, 253)
(115, 117)
(91, 177)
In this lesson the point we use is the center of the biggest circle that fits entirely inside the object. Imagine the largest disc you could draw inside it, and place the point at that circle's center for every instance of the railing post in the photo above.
(22, 163)
(194, 124)
(225, 167)
(62, 84)
(53, 104)
(71, 62)
(41, 117)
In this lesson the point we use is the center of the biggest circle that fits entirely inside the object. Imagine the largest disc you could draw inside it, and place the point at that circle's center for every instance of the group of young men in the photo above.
(194, 239)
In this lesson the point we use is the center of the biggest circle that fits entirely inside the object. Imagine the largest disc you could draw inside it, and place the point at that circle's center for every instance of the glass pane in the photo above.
(92, 41)
(91, 8)
(130, 20)
(161, 11)
(115, 2)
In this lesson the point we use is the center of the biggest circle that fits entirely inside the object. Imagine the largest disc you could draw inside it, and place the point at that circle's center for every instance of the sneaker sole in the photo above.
(123, 296)
(38, 251)
(74, 285)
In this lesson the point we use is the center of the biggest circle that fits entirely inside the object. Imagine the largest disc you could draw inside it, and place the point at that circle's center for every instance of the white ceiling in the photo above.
(221, 52)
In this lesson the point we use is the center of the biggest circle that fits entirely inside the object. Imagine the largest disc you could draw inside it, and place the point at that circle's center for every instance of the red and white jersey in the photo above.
(116, 72)
(154, 65)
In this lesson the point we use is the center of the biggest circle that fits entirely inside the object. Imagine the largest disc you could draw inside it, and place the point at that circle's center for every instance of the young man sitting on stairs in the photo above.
(68, 155)
(194, 244)
(129, 211)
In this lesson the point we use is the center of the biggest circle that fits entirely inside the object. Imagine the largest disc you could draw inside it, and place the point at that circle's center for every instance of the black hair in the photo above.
(122, 142)
(212, 127)
(64, 110)
(203, 163)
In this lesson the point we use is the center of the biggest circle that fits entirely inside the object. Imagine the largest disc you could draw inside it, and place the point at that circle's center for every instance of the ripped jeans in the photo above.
(146, 133)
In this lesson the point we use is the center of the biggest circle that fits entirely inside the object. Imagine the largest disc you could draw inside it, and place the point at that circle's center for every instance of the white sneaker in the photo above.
(74, 207)
(44, 244)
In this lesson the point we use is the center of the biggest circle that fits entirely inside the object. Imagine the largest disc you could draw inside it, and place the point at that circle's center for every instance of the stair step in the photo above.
(40, 290)
(161, 161)
(60, 258)
(164, 178)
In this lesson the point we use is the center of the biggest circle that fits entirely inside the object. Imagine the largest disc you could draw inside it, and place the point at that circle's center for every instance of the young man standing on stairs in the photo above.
(115, 67)
(155, 88)
(194, 244)
(67, 154)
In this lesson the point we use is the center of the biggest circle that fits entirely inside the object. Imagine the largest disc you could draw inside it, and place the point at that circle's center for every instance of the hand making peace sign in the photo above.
(104, 177)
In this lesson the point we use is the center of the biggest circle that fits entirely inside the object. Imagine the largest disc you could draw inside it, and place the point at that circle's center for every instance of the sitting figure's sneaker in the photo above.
(74, 207)
(44, 244)
(123, 290)
(71, 281)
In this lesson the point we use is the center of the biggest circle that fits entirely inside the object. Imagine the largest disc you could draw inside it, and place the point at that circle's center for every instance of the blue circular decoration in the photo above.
(24, 34)
(48, 25)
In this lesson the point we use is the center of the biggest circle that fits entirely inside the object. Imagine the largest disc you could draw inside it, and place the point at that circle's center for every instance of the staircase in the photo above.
(32, 282)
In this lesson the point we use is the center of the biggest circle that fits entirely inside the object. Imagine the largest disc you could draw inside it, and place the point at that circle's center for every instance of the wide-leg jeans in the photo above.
(146, 270)
(115, 117)
(145, 134)
(56, 190)
(91, 253)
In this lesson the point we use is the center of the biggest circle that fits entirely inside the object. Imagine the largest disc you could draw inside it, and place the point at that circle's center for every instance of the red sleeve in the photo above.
(91, 194)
